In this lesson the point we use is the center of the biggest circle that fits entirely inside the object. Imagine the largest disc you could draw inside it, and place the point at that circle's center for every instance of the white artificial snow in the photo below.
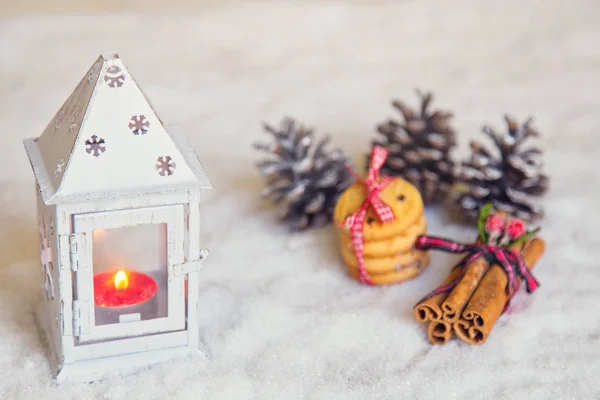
(279, 317)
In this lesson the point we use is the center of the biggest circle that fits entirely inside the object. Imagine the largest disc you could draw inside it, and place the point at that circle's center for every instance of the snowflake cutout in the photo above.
(59, 119)
(114, 77)
(59, 167)
(139, 125)
(46, 260)
(95, 146)
(165, 166)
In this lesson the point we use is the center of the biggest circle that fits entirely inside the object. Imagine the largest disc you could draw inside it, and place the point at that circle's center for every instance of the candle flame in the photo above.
(121, 280)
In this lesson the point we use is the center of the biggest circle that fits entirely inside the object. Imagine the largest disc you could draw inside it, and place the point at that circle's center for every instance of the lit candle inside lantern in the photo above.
(121, 280)
(123, 288)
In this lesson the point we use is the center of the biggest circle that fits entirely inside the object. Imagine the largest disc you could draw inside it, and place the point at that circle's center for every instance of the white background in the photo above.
(280, 319)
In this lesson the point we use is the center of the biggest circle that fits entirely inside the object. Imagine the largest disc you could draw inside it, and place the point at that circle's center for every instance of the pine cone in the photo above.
(419, 148)
(506, 180)
(304, 181)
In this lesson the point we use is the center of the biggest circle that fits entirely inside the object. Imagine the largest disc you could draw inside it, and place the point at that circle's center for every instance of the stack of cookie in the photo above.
(389, 252)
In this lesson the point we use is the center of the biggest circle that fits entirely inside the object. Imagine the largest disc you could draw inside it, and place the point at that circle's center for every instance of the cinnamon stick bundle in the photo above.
(489, 299)
(474, 295)
(474, 305)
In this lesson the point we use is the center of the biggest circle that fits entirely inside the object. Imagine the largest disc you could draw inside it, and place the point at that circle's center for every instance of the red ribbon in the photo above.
(355, 221)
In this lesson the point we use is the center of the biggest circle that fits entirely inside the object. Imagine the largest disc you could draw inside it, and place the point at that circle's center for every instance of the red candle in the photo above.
(123, 288)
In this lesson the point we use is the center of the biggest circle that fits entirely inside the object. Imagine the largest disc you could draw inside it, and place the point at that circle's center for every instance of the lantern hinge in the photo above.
(78, 251)
(190, 266)
(81, 317)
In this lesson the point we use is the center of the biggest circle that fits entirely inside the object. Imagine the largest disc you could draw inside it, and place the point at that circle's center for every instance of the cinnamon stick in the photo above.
(467, 316)
(439, 332)
(430, 309)
(461, 328)
(490, 297)
(461, 293)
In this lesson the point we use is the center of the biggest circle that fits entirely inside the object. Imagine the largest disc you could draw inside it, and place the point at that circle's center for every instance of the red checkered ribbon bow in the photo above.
(355, 221)
(511, 262)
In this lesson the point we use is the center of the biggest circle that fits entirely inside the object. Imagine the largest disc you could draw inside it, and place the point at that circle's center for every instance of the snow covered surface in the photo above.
(279, 317)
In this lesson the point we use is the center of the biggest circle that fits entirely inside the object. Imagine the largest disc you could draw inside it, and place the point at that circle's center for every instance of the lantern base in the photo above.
(116, 367)
(96, 369)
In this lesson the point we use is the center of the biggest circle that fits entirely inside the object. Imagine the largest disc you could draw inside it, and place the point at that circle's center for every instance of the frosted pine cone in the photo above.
(507, 178)
(419, 148)
(302, 179)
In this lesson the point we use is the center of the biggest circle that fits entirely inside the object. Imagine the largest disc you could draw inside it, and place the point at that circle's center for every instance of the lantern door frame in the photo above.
(84, 326)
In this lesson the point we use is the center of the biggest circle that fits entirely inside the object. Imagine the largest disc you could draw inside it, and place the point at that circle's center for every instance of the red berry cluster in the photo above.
(497, 226)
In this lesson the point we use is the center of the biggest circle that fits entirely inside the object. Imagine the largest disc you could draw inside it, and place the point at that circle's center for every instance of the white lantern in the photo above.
(118, 205)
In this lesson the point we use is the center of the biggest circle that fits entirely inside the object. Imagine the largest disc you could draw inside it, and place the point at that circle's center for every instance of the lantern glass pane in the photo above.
(130, 273)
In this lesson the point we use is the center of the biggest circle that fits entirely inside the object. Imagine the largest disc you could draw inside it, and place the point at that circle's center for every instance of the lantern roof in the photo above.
(106, 141)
